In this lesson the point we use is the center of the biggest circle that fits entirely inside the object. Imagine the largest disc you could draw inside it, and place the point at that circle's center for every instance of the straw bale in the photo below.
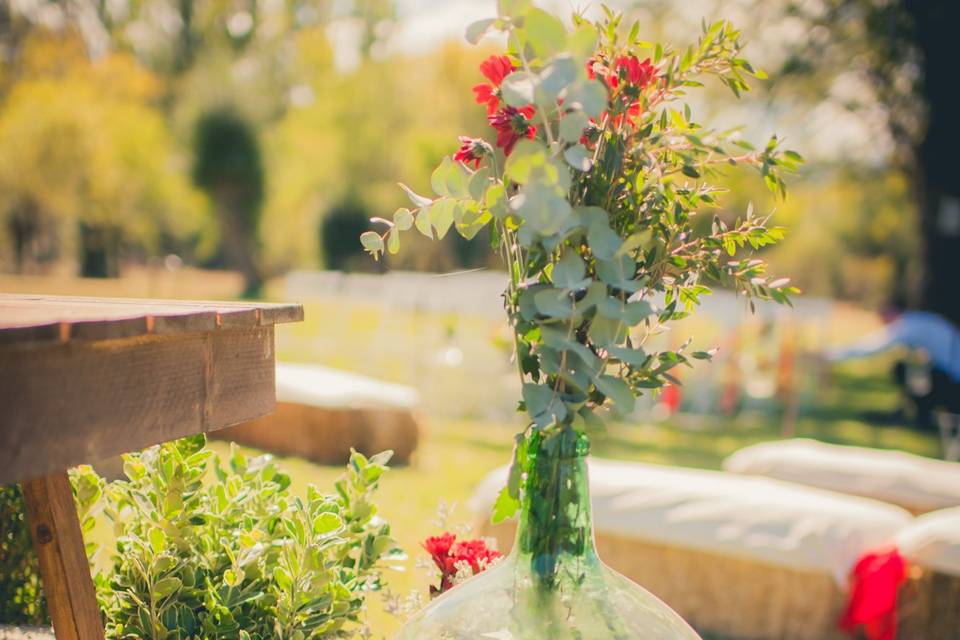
(929, 606)
(718, 594)
(325, 434)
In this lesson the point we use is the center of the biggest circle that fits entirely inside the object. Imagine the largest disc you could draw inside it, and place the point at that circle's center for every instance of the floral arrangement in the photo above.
(598, 188)
(458, 561)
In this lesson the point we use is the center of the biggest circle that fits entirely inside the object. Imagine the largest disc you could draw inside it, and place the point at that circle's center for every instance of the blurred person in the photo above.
(929, 377)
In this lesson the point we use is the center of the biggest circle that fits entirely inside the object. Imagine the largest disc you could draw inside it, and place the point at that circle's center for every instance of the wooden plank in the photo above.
(99, 321)
(57, 537)
(78, 402)
(234, 314)
(41, 332)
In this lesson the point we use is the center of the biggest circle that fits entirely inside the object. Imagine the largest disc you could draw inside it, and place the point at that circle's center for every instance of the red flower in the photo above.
(476, 553)
(639, 74)
(447, 555)
(439, 546)
(471, 150)
(512, 124)
(495, 68)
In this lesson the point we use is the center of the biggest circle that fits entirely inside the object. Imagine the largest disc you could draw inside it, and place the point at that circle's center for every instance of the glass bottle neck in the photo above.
(555, 526)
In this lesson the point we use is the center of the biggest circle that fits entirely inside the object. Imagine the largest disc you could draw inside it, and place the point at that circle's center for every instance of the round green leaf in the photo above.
(478, 29)
(372, 241)
(572, 126)
(545, 33)
(518, 89)
(589, 95)
(403, 219)
(393, 240)
(578, 157)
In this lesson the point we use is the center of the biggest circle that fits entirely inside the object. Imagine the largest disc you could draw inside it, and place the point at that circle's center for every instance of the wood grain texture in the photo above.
(39, 318)
(71, 598)
(79, 402)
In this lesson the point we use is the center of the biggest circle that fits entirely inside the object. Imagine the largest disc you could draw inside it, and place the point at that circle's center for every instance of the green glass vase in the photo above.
(552, 586)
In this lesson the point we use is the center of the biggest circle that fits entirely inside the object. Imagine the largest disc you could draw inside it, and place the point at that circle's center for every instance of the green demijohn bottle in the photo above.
(552, 586)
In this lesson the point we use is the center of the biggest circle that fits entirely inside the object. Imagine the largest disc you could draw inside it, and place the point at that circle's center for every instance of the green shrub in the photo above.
(339, 230)
(236, 556)
(21, 599)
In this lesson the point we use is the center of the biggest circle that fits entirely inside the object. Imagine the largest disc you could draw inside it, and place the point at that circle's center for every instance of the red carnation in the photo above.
(439, 546)
(495, 68)
(638, 73)
(512, 124)
(471, 150)
(447, 555)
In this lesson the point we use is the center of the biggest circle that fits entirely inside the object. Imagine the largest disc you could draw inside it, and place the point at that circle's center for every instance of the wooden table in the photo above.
(82, 379)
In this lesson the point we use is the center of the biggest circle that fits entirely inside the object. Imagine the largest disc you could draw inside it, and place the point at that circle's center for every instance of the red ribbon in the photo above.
(874, 582)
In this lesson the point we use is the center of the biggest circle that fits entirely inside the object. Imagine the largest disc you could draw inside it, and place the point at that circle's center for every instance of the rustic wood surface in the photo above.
(79, 402)
(32, 319)
(82, 379)
(71, 598)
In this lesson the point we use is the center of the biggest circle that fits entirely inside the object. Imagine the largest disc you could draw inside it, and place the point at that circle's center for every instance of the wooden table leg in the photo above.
(57, 537)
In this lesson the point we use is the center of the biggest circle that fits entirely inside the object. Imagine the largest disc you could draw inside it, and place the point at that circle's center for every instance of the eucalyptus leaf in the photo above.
(518, 89)
(618, 391)
(578, 157)
(423, 223)
(545, 33)
(554, 79)
(476, 30)
(372, 242)
(441, 216)
(569, 272)
(588, 95)
(555, 303)
(417, 200)
(403, 219)
(544, 208)
(572, 125)
(619, 273)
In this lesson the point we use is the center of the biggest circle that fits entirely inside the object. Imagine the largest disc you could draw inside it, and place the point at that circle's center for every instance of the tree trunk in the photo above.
(938, 179)
(23, 226)
(99, 251)
(239, 238)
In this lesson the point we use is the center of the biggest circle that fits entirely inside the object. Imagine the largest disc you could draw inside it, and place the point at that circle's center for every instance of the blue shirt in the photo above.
(930, 332)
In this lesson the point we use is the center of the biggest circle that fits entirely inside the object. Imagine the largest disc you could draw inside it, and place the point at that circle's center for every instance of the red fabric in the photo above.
(874, 582)
(670, 397)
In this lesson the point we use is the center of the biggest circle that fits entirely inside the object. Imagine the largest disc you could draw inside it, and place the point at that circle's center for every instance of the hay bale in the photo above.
(325, 435)
(321, 413)
(913, 482)
(929, 604)
(738, 556)
(716, 593)
(930, 600)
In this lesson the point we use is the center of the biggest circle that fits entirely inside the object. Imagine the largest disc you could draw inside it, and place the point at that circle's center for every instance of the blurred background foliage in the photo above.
(106, 109)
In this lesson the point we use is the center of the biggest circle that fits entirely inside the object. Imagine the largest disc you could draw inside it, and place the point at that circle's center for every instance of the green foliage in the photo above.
(236, 556)
(80, 142)
(21, 598)
(595, 216)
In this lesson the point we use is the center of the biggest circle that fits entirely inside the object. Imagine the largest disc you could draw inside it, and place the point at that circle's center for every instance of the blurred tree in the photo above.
(84, 155)
(907, 52)
(228, 167)
(341, 227)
